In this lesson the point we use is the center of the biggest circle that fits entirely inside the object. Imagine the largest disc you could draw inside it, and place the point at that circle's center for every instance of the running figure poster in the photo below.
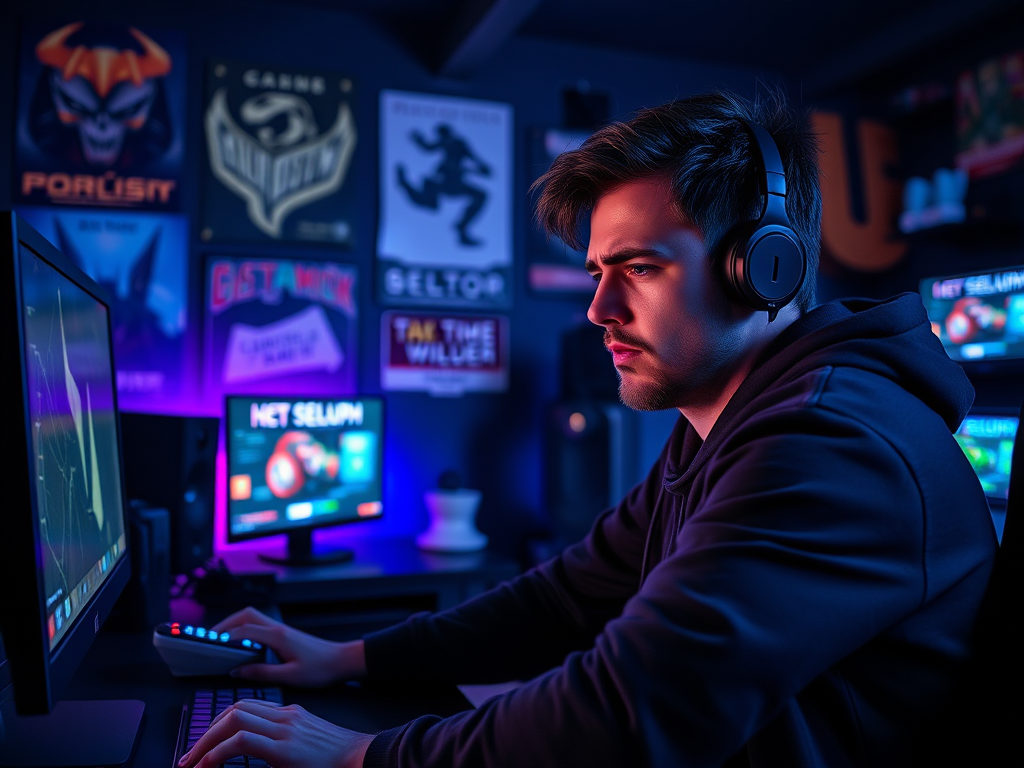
(445, 234)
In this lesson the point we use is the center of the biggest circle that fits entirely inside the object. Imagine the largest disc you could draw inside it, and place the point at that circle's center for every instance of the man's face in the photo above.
(675, 337)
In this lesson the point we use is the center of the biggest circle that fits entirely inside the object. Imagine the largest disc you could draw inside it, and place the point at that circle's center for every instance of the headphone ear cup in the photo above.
(766, 268)
(735, 250)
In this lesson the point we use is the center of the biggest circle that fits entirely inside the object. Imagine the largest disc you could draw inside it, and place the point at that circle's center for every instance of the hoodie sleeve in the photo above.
(528, 625)
(779, 572)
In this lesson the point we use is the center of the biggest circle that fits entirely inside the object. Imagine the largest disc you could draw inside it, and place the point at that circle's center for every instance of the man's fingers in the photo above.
(245, 616)
(232, 723)
(257, 707)
(242, 743)
(268, 635)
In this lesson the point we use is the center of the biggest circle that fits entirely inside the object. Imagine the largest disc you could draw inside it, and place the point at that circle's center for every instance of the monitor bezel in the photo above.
(235, 538)
(37, 672)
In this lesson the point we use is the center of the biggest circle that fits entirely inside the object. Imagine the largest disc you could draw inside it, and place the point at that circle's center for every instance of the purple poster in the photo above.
(142, 261)
(280, 326)
(101, 112)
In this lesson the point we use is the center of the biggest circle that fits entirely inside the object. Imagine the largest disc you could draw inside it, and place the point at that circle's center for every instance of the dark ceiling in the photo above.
(824, 44)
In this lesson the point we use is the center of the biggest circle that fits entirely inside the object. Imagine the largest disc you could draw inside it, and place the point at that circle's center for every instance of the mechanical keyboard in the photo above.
(206, 704)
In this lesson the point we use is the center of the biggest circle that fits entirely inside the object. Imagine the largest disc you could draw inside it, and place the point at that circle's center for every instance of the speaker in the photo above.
(764, 262)
(595, 452)
(170, 462)
(145, 602)
(577, 466)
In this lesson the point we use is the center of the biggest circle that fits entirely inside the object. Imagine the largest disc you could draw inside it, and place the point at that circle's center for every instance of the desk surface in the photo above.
(124, 665)
(381, 567)
(377, 558)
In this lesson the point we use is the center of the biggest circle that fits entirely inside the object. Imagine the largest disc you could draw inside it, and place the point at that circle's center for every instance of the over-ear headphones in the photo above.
(764, 261)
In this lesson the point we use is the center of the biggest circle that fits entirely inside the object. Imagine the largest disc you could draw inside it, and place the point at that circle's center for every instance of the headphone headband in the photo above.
(771, 174)
(766, 264)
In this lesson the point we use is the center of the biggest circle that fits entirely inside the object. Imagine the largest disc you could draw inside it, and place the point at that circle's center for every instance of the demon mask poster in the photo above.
(100, 115)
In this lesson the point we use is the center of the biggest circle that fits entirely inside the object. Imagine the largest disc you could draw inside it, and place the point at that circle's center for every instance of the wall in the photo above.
(494, 440)
(993, 235)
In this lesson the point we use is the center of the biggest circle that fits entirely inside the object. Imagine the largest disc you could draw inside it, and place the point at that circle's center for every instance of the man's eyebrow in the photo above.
(626, 254)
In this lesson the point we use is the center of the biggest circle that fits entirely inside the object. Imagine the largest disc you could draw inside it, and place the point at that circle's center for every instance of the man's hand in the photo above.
(305, 660)
(286, 737)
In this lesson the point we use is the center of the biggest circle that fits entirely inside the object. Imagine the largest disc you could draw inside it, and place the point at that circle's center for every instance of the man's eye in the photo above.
(640, 270)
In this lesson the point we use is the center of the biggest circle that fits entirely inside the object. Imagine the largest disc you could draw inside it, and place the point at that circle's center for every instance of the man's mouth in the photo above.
(622, 350)
(623, 346)
(622, 353)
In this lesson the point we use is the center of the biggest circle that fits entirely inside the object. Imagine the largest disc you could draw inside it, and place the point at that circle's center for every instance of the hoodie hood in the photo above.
(890, 338)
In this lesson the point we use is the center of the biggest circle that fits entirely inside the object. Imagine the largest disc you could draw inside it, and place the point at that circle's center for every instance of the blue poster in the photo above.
(279, 143)
(445, 236)
(280, 326)
(142, 261)
(101, 114)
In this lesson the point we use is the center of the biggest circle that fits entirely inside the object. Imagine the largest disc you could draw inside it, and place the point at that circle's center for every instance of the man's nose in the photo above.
(608, 306)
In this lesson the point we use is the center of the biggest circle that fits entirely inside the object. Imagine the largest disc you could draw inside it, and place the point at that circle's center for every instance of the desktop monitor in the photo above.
(300, 463)
(63, 552)
(979, 316)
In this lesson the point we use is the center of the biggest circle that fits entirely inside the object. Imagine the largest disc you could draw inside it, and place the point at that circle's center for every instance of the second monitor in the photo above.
(296, 464)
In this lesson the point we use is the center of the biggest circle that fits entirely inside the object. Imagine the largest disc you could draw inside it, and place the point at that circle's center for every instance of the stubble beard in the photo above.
(674, 380)
(657, 393)
(654, 392)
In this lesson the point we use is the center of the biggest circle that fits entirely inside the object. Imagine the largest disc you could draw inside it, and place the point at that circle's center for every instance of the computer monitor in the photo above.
(986, 437)
(63, 551)
(300, 463)
(979, 316)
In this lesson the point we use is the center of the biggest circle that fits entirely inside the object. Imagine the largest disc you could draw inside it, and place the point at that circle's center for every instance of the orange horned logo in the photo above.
(103, 67)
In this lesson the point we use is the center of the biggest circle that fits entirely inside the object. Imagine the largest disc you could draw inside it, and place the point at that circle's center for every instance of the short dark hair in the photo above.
(701, 146)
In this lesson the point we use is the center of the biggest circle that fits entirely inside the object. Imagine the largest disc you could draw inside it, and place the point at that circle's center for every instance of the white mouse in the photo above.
(189, 650)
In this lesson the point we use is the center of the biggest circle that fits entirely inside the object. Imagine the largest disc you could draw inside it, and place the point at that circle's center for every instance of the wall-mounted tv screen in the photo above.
(978, 316)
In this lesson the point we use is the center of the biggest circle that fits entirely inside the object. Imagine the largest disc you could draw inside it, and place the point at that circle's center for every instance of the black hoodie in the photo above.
(803, 582)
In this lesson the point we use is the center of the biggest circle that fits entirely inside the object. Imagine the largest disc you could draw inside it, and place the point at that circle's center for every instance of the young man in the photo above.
(796, 579)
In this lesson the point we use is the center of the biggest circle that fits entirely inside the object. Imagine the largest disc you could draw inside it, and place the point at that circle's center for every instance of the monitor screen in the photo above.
(302, 463)
(73, 440)
(987, 441)
(978, 316)
(64, 554)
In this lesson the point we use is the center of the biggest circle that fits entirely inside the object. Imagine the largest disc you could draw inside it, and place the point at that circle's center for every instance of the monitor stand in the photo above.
(74, 734)
(300, 552)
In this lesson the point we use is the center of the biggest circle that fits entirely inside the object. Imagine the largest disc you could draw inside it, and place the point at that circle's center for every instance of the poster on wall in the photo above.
(867, 241)
(445, 355)
(280, 326)
(141, 259)
(554, 267)
(101, 114)
(990, 115)
(445, 236)
(279, 145)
